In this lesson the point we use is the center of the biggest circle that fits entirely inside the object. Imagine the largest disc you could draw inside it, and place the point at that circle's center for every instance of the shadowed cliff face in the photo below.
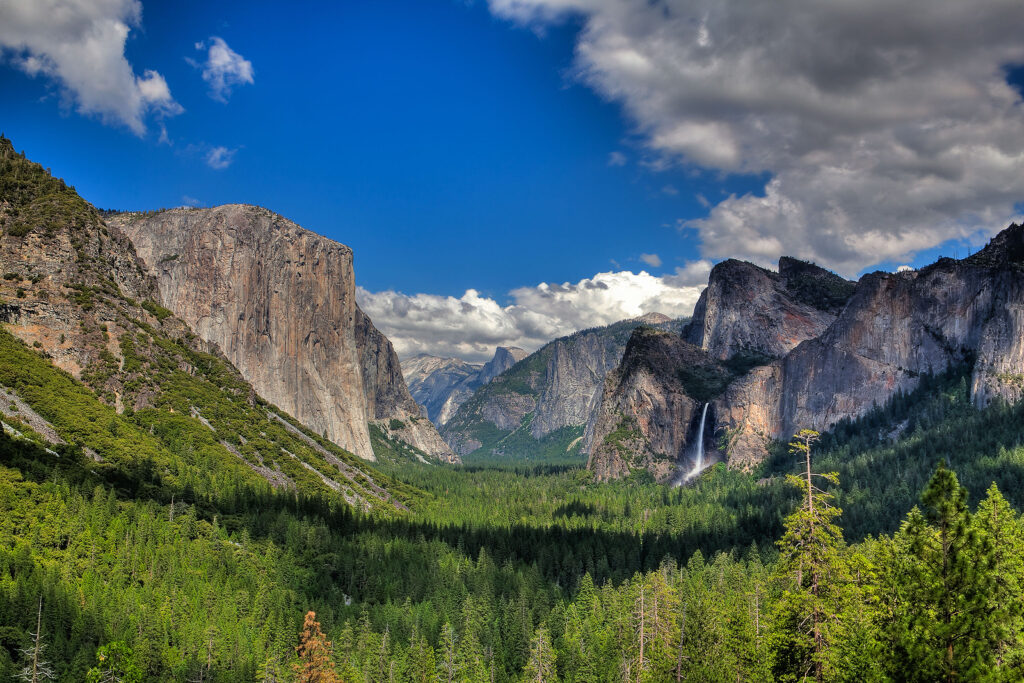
(548, 397)
(279, 301)
(647, 408)
(836, 355)
(747, 309)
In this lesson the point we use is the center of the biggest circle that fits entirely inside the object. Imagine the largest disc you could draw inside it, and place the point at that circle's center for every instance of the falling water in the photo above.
(698, 461)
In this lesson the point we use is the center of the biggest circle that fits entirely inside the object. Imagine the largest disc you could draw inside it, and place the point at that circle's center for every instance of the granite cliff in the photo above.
(648, 415)
(544, 402)
(279, 302)
(140, 391)
(895, 328)
(746, 309)
(441, 385)
(804, 348)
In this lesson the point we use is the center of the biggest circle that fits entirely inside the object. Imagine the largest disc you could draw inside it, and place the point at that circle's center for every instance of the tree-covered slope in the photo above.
(117, 374)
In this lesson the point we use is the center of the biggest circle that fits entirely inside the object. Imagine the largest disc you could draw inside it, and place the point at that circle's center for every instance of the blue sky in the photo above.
(449, 148)
(506, 169)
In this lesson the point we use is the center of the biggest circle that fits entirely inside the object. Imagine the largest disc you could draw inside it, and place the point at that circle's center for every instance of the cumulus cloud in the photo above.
(471, 326)
(223, 69)
(886, 127)
(653, 260)
(79, 44)
(219, 158)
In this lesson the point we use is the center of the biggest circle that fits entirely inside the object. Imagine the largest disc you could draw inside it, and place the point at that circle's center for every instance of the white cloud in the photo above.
(616, 159)
(80, 45)
(219, 158)
(886, 126)
(224, 68)
(472, 325)
(653, 260)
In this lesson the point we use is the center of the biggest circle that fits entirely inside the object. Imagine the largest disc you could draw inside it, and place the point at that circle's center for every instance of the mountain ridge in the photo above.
(115, 375)
(545, 401)
(792, 371)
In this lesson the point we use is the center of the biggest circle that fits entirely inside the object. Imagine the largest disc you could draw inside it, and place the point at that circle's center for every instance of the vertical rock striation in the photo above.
(279, 301)
(825, 354)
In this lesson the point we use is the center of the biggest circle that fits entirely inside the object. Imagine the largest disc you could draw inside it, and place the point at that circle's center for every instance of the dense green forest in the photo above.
(533, 574)
(146, 542)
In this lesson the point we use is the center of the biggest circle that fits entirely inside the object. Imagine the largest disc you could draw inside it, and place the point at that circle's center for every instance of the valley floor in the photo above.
(537, 573)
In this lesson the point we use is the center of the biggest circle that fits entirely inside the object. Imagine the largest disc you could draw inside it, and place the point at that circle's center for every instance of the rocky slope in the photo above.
(749, 310)
(543, 403)
(648, 418)
(897, 327)
(441, 385)
(894, 328)
(140, 392)
(279, 301)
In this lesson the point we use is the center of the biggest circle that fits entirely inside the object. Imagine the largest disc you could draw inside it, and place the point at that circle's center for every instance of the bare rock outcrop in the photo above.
(647, 416)
(748, 309)
(279, 301)
(504, 358)
(838, 355)
(897, 327)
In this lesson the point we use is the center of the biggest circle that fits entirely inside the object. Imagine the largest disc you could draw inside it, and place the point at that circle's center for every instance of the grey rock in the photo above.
(556, 387)
(279, 302)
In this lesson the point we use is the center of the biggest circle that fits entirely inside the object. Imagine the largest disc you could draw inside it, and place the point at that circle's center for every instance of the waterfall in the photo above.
(698, 460)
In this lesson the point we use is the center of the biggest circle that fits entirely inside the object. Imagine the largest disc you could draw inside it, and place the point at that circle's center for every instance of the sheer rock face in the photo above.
(504, 358)
(575, 377)
(280, 303)
(893, 329)
(440, 385)
(646, 417)
(556, 387)
(747, 309)
(388, 400)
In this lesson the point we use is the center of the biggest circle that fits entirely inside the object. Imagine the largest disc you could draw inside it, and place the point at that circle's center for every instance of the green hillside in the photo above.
(160, 522)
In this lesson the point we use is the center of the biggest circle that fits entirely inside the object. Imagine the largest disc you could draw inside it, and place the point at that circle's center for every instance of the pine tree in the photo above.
(946, 629)
(314, 650)
(812, 569)
(115, 664)
(1000, 526)
(447, 656)
(540, 668)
